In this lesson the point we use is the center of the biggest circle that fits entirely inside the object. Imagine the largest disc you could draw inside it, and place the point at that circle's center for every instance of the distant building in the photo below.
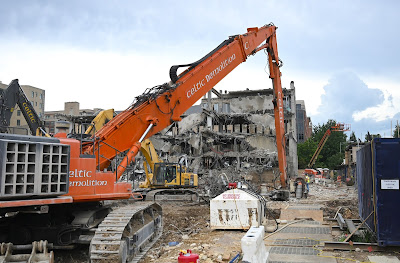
(303, 123)
(63, 120)
(348, 170)
(36, 96)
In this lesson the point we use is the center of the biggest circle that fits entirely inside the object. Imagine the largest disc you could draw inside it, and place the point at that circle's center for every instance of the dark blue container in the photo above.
(378, 176)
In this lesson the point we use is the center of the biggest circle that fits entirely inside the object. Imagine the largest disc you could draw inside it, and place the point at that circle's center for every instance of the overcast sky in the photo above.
(342, 55)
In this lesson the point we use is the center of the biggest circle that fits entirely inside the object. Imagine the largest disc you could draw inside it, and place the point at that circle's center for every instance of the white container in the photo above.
(235, 209)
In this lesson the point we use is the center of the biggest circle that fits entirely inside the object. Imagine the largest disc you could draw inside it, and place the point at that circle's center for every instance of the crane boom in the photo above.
(324, 139)
(162, 105)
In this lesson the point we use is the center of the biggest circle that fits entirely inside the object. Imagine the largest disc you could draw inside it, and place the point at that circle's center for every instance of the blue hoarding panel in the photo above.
(378, 176)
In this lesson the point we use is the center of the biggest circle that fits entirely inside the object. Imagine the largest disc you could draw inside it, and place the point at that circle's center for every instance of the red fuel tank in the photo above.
(188, 257)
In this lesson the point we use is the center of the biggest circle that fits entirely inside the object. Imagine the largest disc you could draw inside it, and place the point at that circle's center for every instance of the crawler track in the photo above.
(127, 233)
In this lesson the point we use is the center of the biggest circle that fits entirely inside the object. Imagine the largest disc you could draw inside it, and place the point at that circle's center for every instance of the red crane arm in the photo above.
(324, 139)
(162, 105)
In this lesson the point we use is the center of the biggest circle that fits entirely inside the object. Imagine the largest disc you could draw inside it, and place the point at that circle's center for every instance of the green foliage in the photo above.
(396, 132)
(305, 151)
(353, 137)
(369, 137)
(332, 153)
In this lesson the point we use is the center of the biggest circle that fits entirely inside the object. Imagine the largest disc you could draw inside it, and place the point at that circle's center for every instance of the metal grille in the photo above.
(307, 230)
(294, 251)
(304, 242)
(33, 168)
(308, 222)
(304, 208)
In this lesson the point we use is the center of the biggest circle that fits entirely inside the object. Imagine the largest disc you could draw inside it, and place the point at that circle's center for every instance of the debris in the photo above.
(174, 243)
(226, 256)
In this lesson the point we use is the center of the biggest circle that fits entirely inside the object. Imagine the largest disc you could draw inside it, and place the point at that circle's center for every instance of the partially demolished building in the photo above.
(231, 137)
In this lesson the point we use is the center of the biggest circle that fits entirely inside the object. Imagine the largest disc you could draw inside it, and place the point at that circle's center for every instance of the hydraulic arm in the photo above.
(162, 105)
(337, 127)
(12, 96)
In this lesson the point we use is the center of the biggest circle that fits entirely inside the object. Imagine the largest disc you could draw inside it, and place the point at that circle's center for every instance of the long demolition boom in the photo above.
(162, 105)
(324, 139)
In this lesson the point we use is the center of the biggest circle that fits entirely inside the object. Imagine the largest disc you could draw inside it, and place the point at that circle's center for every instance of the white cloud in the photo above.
(94, 78)
(388, 108)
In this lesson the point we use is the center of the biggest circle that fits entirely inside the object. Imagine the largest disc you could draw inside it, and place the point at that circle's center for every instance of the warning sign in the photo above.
(390, 184)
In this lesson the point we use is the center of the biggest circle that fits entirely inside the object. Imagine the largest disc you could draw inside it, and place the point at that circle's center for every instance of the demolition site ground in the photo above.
(186, 226)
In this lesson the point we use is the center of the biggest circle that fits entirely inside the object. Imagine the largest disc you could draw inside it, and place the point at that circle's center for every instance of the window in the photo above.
(226, 108)
(33, 94)
(41, 96)
(35, 103)
(216, 107)
(18, 113)
(18, 122)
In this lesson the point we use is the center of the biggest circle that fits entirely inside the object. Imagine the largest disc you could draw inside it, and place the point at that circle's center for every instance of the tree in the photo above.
(305, 151)
(396, 132)
(369, 137)
(353, 137)
(330, 155)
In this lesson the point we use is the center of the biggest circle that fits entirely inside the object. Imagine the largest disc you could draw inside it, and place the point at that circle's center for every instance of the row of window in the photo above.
(35, 94)
(226, 107)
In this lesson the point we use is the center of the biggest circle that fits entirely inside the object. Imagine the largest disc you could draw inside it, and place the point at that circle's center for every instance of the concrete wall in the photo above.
(252, 104)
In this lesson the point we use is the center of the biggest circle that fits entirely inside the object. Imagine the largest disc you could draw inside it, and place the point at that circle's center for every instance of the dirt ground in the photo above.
(188, 225)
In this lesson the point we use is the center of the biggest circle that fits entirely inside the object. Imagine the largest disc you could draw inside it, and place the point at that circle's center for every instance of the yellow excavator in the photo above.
(99, 121)
(166, 181)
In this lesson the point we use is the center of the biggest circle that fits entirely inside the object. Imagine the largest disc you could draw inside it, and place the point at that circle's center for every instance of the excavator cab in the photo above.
(173, 175)
(165, 173)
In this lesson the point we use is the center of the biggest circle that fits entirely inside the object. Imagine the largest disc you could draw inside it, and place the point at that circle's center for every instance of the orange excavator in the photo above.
(324, 139)
(54, 188)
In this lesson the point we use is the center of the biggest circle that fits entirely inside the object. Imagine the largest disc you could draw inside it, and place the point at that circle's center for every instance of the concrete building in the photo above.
(64, 120)
(232, 133)
(348, 169)
(36, 96)
(303, 123)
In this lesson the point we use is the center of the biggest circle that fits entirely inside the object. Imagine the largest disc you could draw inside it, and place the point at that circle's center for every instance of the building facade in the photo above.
(303, 123)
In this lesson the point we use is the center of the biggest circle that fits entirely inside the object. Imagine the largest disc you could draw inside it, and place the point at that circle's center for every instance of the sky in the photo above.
(342, 55)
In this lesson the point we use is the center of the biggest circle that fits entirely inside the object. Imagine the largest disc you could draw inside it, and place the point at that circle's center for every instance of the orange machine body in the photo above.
(90, 181)
(86, 183)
